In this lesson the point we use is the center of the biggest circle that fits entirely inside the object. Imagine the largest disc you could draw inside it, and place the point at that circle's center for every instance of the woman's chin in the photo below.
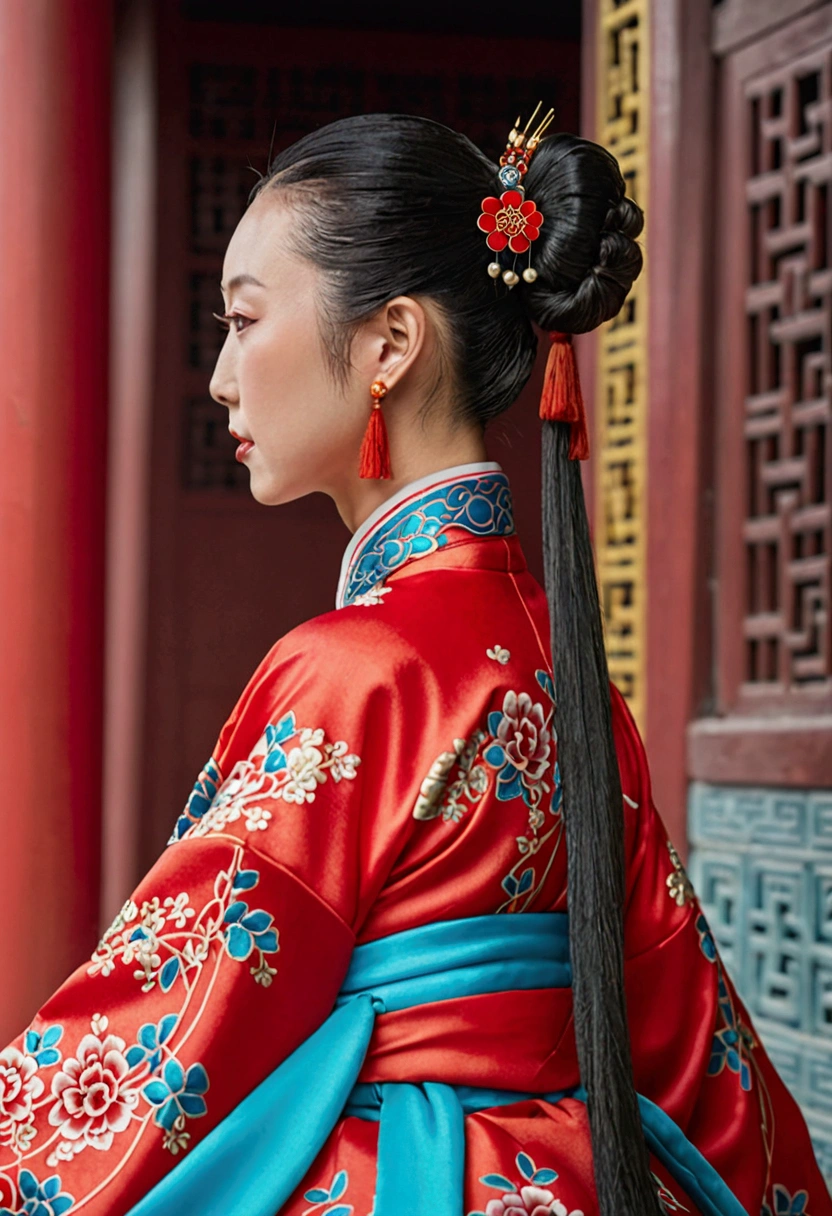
(274, 491)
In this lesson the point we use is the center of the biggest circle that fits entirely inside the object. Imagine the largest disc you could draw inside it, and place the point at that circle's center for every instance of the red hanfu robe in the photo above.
(390, 764)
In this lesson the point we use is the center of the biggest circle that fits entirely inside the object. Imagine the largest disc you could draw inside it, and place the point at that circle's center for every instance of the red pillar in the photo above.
(54, 205)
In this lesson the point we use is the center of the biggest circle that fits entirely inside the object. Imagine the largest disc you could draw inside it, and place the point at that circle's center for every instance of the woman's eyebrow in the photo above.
(242, 280)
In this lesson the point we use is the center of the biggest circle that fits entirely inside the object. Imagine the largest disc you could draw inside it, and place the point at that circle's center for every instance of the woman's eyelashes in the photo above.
(228, 320)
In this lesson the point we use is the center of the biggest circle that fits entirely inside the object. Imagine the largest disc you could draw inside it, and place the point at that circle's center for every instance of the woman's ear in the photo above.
(389, 344)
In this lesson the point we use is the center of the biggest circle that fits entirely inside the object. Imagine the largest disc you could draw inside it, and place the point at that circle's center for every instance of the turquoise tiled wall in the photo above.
(761, 863)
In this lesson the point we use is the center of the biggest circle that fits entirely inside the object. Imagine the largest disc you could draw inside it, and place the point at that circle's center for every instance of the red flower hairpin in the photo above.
(511, 221)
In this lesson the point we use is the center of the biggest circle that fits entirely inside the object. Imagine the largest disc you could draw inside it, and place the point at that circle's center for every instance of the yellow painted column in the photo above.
(621, 383)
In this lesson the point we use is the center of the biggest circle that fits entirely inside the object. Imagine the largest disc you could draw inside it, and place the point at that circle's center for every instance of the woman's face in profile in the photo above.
(272, 372)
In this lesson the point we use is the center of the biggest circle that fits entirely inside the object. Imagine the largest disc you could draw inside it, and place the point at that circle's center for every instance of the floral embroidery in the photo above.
(271, 772)
(324, 1198)
(734, 1041)
(177, 1096)
(678, 883)
(529, 739)
(786, 1204)
(520, 744)
(706, 939)
(20, 1087)
(498, 653)
(438, 795)
(38, 1198)
(531, 1197)
(168, 942)
(520, 751)
(373, 596)
(95, 1096)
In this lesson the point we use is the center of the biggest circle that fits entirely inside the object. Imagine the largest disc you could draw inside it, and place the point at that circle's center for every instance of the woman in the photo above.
(316, 1001)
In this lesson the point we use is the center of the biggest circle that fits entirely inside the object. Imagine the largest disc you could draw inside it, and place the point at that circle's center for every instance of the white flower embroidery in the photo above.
(257, 817)
(94, 1098)
(180, 913)
(499, 654)
(273, 770)
(20, 1085)
(373, 596)
(343, 763)
(99, 1023)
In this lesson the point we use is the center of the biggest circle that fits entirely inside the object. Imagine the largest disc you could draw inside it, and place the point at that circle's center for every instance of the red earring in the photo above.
(375, 450)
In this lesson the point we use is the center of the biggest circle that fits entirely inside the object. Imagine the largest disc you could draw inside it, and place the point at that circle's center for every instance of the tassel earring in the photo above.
(374, 460)
(561, 399)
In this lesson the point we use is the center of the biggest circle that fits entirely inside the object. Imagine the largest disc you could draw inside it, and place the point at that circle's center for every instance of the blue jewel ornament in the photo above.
(509, 176)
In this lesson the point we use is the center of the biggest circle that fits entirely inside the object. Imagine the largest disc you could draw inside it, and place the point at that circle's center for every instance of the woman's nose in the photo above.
(223, 386)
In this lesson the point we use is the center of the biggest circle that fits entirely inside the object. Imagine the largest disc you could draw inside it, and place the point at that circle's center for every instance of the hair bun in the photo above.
(587, 256)
(619, 257)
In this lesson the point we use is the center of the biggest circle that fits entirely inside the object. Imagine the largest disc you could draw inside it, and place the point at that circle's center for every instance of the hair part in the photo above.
(390, 207)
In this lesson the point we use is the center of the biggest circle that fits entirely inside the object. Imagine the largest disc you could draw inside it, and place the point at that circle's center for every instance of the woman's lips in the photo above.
(245, 445)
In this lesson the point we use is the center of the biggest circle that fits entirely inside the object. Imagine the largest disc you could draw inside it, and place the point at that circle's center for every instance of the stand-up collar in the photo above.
(412, 522)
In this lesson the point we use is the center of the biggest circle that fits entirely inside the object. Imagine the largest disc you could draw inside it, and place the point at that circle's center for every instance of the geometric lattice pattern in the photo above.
(209, 448)
(761, 863)
(236, 111)
(788, 404)
(621, 396)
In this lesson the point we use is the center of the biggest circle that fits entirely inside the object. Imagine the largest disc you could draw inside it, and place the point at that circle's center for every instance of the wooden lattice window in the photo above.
(774, 390)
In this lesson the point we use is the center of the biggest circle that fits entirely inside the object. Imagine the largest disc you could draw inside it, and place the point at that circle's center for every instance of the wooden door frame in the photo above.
(676, 506)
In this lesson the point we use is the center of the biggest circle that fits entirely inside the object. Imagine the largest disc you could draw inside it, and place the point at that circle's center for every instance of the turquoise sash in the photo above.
(251, 1163)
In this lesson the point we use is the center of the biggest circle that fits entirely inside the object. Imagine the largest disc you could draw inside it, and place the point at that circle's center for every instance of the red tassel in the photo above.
(561, 399)
(375, 449)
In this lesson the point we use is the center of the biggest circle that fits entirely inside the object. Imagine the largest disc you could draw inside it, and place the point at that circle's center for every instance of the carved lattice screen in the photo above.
(621, 396)
(761, 809)
(787, 411)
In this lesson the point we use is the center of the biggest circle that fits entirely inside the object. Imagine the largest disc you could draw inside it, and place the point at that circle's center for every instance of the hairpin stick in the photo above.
(531, 120)
(542, 127)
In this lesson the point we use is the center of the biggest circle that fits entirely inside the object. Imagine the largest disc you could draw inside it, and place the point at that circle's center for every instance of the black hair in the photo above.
(390, 206)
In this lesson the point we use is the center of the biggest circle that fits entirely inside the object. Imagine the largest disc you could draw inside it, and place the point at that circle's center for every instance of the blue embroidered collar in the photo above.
(412, 522)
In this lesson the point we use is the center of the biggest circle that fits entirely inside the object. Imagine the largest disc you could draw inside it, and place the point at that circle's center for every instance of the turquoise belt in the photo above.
(252, 1162)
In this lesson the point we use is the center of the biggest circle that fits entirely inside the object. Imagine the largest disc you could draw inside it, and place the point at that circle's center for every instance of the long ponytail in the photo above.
(594, 837)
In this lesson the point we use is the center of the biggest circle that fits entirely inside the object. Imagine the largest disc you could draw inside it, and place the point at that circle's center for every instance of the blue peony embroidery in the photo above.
(275, 735)
(150, 1040)
(529, 1192)
(706, 939)
(786, 1204)
(42, 1046)
(200, 800)
(177, 1094)
(730, 1043)
(326, 1197)
(40, 1198)
(246, 931)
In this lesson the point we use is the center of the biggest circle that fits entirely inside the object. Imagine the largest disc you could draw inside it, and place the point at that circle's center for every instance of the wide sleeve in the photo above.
(695, 1051)
(231, 950)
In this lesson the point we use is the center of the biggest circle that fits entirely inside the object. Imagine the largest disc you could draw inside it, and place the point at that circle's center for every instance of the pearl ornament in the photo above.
(510, 278)
(494, 269)
(529, 274)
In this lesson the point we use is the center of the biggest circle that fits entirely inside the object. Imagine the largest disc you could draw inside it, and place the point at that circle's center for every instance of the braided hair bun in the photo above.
(586, 255)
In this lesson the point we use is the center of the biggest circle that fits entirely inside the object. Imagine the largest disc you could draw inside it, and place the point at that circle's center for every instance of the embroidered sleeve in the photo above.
(228, 955)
